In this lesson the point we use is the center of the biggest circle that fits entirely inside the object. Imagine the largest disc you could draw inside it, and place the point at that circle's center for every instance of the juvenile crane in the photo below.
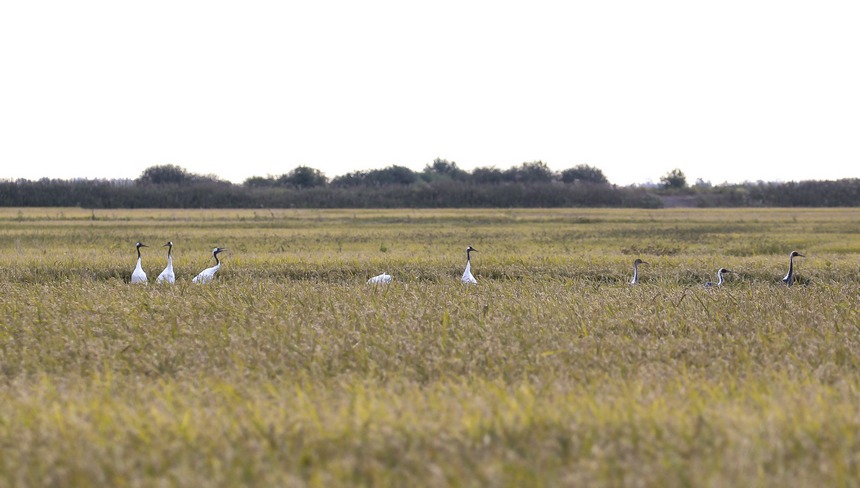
(382, 279)
(467, 275)
(789, 277)
(207, 274)
(138, 275)
(636, 264)
(167, 275)
(719, 277)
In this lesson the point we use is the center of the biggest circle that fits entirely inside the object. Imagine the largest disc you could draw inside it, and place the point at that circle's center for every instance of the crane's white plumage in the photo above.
(720, 278)
(207, 274)
(467, 275)
(382, 279)
(636, 264)
(789, 277)
(167, 275)
(138, 276)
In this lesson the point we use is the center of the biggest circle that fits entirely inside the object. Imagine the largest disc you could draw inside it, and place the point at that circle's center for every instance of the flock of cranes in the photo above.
(168, 276)
(788, 280)
(205, 276)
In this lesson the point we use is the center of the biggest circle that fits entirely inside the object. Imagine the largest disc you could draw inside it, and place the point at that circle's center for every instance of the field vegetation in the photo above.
(289, 370)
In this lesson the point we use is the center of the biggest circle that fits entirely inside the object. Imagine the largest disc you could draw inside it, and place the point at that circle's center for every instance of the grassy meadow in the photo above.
(289, 370)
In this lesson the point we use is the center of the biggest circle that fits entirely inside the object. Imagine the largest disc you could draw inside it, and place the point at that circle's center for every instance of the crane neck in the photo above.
(790, 276)
(217, 261)
(138, 253)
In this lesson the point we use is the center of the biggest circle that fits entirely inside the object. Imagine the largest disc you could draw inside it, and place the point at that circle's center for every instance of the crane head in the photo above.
(218, 249)
(472, 249)
(795, 253)
(639, 261)
(140, 244)
(169, 244)
(724, 270)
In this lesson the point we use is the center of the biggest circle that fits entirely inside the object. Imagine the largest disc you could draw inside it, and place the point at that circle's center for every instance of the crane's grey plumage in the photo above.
(138, 275)
(789, 277)
(382, 279)
(207, 274)
(467, 275)
(636, 264)
(719, 278)
(167, 276)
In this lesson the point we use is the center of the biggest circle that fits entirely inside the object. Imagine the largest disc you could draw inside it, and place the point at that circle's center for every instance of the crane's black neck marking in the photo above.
(215, 255)
(169, 250)
(138, 251)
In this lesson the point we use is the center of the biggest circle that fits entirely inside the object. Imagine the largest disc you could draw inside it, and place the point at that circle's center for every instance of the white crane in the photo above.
(467, 275)
(207, 274)
(636, 264)
(167, 275)
(719, 277)
(382, 279)
(138, 276)
(789, 277)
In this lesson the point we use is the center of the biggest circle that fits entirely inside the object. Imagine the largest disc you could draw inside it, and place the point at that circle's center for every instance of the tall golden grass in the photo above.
(288, 370)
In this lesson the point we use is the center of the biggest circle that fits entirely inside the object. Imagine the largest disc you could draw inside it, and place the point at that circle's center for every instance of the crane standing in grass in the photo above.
(789, 277)
(207, 274)
(636, 264)
(467, 275)
(167, 275)
(138, 275)
(720, 278)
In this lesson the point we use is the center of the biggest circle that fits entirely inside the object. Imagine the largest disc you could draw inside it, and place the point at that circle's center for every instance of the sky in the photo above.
(727, 91)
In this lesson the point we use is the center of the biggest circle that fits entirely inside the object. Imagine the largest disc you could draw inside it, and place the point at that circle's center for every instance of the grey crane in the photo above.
(636, 264)
(789, 277)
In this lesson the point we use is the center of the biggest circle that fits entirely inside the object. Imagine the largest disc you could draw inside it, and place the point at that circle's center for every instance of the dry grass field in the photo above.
(289, 370)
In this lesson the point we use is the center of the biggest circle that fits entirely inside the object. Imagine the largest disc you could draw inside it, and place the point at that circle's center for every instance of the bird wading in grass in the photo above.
(167, 276)
(207, 274)
(382, 279)
(636, 264)
(789, 277)
(467, 275)
(720, 279)
(138, 275)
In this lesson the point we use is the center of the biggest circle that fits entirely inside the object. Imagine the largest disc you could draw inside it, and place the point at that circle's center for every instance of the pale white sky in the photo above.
(725, 91)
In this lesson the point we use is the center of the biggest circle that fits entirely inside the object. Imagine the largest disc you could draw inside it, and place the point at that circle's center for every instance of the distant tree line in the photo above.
(440, 184)
(439, 170)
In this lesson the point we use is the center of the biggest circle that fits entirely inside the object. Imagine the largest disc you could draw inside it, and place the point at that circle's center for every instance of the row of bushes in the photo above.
(439, 169)
(436, 194)
(440, 184)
